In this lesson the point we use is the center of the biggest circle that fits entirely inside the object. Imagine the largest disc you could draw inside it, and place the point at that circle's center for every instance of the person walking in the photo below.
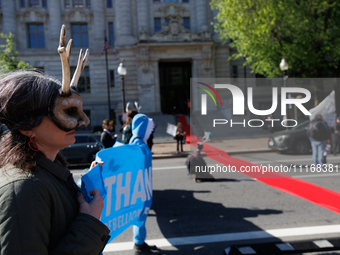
(336, 137)
(106, 137)
(318, 133)
(180, 136)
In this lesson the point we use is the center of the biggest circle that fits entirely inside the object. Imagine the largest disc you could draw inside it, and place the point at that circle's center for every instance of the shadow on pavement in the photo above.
(180, 214)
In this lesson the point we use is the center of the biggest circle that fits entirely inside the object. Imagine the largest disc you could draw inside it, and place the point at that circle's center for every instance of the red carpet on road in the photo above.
(321, 196)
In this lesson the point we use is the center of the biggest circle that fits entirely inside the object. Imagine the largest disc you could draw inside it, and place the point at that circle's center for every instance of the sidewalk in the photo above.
(166, 148)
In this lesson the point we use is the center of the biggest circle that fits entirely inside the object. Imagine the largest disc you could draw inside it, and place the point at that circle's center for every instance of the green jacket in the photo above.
(39, 213)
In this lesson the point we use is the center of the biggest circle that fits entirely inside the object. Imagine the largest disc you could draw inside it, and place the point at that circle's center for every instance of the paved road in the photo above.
(234, 208)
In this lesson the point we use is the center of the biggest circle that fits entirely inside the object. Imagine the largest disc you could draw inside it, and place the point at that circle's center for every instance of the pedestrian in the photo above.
(270, 125)
(41, 208)
(318, 133)
(336, 136)
(106, 137)
(150, 140)
(142, 127)
(127, 128)
(180, 136)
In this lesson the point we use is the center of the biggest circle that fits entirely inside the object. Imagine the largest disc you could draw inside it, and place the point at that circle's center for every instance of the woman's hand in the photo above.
(95, 207)
(94, 163)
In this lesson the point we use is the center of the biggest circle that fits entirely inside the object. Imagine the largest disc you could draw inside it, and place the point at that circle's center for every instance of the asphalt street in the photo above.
(205, 218)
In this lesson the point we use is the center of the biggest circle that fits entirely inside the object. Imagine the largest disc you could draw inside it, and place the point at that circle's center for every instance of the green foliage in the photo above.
(8, 56)
(304, 32)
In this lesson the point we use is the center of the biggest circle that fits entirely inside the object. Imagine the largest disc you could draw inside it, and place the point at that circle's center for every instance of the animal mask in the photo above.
(66, 106)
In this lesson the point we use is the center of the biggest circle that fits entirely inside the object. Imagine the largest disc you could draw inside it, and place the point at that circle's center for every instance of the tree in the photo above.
(305, 32)
(8, 56)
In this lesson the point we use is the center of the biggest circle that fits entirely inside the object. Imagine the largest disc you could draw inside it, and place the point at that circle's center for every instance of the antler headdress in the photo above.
(65, 108)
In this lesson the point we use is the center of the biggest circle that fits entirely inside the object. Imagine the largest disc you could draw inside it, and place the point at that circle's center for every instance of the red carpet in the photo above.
(321, 196)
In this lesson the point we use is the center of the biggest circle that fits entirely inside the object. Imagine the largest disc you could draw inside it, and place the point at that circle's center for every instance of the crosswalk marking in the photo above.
(190, 240)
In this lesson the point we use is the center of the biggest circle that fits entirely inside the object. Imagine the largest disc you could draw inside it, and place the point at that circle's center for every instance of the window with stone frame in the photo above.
(33, 3)
(84, 84)
(112, 78)
(111, 34)
(80, 35)
(109, 4)
(234, 71)
(157, 24)
(36, 36)
(77, 3)
(186, 23)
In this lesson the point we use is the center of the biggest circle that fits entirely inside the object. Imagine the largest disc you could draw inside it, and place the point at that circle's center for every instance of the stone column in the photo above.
(123, 23)
(142, 7)
(54, 28)
(98, 26)
(201, 14)
(9, 20)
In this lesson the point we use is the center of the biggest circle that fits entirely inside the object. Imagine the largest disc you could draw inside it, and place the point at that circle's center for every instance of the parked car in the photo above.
(295, 140)
(83, 151)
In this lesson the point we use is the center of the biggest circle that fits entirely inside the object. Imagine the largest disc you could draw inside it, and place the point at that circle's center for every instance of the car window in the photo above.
(91, 139)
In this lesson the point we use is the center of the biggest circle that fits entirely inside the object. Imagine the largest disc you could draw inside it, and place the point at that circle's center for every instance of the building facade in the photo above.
(163, 44)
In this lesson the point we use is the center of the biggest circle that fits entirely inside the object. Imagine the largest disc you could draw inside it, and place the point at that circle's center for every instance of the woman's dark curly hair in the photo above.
(24, 98)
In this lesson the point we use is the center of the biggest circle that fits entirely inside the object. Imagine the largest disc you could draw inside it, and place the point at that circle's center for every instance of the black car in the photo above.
(83, 151)
(295, 140)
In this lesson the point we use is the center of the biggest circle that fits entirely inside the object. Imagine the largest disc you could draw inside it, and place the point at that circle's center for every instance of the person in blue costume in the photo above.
(142, 127)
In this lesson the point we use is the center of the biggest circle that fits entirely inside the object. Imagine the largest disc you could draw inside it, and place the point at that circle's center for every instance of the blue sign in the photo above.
(125, 183)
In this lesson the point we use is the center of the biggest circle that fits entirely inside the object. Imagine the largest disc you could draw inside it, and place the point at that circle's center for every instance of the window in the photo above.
(112, 78)
(109, 4)
(88, 3)
(167, 21)
(0, 4)
(84, 85)
(186, 23)
(67, 3)
(111, 38)
(185, 1)
(78, 3)
(45, 3)
(156, 1)
(235, 72)
(36, 38)
(158, 25)
(80, 35)
(34, 3)
(170, 1)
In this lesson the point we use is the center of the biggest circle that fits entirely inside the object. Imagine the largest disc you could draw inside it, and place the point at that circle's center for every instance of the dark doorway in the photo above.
(174, 78)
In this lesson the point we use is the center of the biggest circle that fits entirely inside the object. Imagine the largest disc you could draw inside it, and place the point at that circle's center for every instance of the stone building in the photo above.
(163, 43)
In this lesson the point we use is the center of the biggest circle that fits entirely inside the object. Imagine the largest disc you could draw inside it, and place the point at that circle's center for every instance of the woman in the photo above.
(37, 193)
(127, 127)
(41, 208)
(180, 135)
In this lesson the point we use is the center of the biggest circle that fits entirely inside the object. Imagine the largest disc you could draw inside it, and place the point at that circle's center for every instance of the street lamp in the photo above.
(284, 68)
(122, 72)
